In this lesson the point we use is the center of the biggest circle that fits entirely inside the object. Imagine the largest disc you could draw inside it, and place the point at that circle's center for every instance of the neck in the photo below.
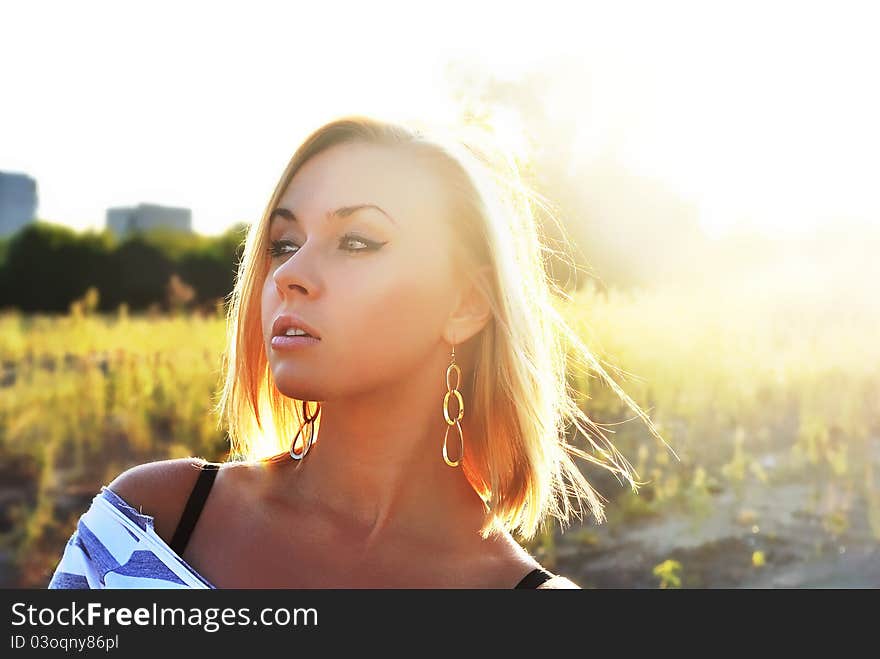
(377, 466)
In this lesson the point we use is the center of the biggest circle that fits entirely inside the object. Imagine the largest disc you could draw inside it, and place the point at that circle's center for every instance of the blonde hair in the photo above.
(517, 457)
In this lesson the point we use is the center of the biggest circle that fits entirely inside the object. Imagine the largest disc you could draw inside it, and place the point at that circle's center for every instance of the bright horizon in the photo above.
(757, 113)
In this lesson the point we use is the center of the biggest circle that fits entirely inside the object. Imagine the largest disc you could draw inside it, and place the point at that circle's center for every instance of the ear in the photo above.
(472, 309)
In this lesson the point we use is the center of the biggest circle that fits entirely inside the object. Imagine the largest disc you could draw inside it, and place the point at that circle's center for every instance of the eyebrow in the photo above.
(344, 211)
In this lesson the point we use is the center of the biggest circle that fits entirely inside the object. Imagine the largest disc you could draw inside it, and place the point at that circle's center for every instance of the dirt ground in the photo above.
(716, 551)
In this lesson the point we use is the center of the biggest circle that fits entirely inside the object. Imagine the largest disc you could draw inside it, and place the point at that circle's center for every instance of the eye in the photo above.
(352, 238)
(279, 248)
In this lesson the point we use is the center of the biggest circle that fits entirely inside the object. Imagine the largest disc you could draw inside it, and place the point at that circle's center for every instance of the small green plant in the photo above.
(698, 496)
(668, 573)
(87, 305)
(758, 559)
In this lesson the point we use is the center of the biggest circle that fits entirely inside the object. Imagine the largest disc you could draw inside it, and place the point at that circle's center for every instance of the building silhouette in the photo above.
(124, 220)
(18, 202)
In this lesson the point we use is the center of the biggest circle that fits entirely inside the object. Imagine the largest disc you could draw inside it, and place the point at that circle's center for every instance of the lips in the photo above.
(287, 321)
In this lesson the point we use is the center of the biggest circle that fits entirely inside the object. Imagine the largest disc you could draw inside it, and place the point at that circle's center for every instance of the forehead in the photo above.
(352, 174)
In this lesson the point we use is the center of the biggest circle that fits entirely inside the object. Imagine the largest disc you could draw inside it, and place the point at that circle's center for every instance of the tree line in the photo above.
(47, 267)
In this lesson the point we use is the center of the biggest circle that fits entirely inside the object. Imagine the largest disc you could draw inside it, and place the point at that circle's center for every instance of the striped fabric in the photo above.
(115, 546)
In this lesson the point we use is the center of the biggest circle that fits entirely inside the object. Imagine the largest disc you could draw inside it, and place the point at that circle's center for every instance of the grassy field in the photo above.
(769, 395)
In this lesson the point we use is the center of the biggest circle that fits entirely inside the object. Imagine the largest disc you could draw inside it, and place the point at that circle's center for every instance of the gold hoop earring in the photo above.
(310, 422)
(453, 391)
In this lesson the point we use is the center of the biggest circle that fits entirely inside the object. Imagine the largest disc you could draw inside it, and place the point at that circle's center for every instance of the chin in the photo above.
(298, 386)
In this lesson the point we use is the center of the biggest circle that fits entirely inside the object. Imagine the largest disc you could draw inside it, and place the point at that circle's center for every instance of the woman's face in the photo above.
(376, 285)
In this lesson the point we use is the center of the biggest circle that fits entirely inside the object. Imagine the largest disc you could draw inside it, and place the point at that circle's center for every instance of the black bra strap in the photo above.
(194, 506)
(535, 578)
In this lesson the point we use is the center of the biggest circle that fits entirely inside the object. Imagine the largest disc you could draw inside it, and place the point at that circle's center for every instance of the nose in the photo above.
(291, 275)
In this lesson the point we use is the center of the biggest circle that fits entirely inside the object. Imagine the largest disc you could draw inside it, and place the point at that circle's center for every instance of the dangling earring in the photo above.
(453, 391)
(310, 422)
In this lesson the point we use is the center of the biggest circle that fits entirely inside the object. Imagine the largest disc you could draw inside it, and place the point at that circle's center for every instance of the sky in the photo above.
(759, 113)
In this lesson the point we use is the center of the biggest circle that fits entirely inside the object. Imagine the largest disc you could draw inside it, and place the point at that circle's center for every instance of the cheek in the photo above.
(396, 312)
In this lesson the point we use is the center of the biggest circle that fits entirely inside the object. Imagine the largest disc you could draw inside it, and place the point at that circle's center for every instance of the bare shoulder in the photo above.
(159, 489)
(559, 582)
(512, 562)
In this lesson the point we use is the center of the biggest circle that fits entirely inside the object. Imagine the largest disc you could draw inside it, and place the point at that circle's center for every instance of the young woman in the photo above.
(395, 391)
